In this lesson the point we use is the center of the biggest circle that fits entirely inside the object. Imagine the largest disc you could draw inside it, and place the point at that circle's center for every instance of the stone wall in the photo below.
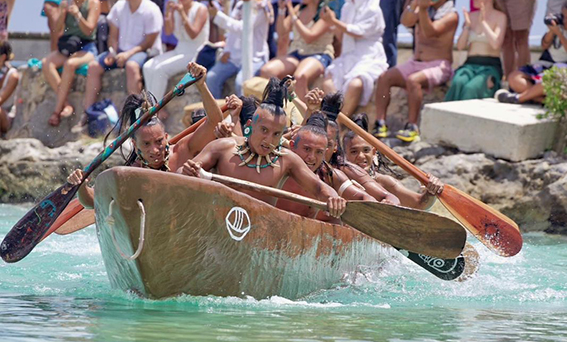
(36, 102)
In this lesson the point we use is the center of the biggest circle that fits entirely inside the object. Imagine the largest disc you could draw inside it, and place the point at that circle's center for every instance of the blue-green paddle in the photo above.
(29, 230)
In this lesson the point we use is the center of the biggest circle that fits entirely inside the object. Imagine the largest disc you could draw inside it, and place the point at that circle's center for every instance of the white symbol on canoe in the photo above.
(440, 265)
(237, 223)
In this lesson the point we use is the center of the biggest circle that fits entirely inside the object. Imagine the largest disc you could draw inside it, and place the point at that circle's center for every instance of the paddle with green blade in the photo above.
(494, 229)
(413, 230)
(29, 230)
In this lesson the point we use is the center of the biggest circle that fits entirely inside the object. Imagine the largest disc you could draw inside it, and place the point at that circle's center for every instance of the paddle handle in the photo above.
(385, 150)
(186, 81)
(266, 190)
(192, 128)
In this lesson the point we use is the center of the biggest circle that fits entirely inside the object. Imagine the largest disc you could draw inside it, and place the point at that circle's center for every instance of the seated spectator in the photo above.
(312, 46)
(51, 11)
(526, 82)
(434, 26)
(362, 59)
(230, 63)
(76, 47)
(516, 48)
(102, 26)
(135, 27)
(189, 21)
(483, 34)
(9, 78)
(6, 7)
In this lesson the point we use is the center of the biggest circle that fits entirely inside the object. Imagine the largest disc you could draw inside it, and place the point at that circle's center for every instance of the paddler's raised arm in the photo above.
(194, 143)
(307, 180)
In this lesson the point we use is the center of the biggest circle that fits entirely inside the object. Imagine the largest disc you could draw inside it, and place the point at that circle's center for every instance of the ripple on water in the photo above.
(61, 292)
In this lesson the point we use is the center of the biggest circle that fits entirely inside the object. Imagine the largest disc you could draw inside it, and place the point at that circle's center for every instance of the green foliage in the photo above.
(555, 86)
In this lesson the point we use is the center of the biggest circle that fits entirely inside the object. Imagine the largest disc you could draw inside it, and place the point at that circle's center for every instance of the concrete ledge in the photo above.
(507, 131)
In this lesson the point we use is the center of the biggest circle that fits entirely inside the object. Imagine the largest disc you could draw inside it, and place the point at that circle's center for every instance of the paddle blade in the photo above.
(413, 230)
(29, 230)
(83, 219)
(494, 229)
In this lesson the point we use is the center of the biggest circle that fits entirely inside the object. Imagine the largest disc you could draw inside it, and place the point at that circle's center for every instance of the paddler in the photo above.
(310, 143)
(359, 152)
(150, 144)
(259, 157)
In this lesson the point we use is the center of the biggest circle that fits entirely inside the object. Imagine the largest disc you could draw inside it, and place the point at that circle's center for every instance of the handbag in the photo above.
(68, 45)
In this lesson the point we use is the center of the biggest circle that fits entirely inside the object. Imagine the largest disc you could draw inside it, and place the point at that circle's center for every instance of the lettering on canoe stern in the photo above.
(237, 223)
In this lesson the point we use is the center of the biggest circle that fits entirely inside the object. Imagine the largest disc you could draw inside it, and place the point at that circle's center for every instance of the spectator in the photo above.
(189, 21)
(392, 11)
(362, 59)
(102, 26)
(6, 7)
(516, 49)
(434, 26)
(483, 33)
(9, 78)
(76, 47)
(135, 27)
(230, 63)
(52, 12)
(312, 46)
(526, 81)
(169, 41)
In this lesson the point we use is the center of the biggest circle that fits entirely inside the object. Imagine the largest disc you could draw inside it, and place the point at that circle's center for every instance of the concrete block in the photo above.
(506, 131)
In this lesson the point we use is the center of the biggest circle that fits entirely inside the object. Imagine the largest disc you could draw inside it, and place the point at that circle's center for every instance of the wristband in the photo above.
(294, 18)
(291, 97)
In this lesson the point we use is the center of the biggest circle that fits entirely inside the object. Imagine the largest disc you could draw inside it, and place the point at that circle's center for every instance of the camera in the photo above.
(558, 18)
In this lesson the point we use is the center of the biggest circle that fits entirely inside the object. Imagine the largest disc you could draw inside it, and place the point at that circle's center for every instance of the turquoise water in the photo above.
(60, 292)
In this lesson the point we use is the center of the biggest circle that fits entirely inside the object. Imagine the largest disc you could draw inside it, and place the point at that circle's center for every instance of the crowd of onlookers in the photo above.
(351, 44)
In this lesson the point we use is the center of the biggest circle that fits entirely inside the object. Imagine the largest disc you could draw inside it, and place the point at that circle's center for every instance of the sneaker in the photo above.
(380, 130)
(506, 96)
(409, 133)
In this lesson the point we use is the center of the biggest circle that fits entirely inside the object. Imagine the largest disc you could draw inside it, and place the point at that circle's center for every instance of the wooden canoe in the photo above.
(204, 238)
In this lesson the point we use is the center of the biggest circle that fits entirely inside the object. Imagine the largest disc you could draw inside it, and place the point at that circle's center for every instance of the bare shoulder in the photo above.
(223, 144)
(354, 171)
(340, 176)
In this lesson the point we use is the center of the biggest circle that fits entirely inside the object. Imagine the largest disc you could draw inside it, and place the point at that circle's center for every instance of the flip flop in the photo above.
(67, 111)
(54, 119)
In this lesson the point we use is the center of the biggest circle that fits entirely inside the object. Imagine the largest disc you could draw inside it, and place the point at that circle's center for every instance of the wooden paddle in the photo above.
(498, 232)
(29, 230)
(413, 230)
(74, 218)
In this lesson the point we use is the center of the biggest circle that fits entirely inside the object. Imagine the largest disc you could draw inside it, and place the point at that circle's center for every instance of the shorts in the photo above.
(437, 72)
(90, 47)
(520, 13)
(140, 58)
(323, 58)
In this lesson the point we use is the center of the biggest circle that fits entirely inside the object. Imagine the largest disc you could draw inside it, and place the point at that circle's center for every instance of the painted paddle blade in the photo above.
(445, 269)
(73, 208)
(413, 230)
(495, 230)
(31, 228)
(459, 269)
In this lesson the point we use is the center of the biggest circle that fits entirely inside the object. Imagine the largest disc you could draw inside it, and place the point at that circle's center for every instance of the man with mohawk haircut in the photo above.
(259, 157)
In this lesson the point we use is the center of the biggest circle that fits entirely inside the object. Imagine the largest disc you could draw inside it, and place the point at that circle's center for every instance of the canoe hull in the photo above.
(198, 242)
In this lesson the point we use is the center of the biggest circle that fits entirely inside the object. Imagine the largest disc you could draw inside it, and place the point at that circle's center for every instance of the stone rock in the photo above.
(36, 102)
(29, 170)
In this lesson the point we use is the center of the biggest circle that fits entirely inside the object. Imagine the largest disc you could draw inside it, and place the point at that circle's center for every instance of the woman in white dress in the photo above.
(188, 20)
(362, 59)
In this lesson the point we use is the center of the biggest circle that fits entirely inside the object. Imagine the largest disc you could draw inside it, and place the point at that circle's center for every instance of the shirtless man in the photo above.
(150, 142)
(259, 158)
(310, 143)
(434, 23)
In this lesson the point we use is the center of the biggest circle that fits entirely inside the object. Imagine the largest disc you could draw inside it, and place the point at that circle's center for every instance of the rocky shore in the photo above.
(532, 192)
